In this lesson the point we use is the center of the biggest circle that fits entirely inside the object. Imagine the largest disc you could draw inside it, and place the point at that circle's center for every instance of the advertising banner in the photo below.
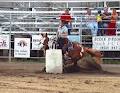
(37, 42)
(22, 47)
(4, 41)
(106, 43)
(74, 38)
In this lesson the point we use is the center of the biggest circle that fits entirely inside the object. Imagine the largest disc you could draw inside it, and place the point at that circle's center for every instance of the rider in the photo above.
(62, 37)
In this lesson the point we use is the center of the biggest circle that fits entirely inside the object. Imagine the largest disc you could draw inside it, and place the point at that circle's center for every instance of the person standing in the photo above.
(106, 20)
(91, 22)
(99, 21)
(66, 19)
(112, 24)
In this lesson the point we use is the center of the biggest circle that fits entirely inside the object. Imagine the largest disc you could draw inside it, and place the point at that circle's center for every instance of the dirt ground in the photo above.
(27, 78)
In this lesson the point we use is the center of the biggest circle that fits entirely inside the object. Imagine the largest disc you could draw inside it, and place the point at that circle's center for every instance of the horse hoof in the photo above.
(43, 70)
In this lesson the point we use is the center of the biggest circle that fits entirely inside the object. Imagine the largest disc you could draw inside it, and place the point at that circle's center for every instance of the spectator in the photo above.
(105, 20)
(91, 22)
(66, 19)
(99, 20)
(46, 41)
(112, 24)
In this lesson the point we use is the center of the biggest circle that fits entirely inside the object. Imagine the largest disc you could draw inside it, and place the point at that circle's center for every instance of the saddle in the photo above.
(71, 50)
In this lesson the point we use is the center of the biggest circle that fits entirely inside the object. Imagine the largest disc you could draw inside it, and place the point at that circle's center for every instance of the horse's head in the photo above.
(43, 44)
(52, 41)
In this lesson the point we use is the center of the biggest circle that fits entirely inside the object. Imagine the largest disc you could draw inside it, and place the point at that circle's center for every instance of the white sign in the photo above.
(104, 43)
(74, 38)
(4, 41)
(22, 47)
(37, 42)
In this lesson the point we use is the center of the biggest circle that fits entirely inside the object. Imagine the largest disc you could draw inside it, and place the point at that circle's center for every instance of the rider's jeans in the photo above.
(61, 42)
(93, 26)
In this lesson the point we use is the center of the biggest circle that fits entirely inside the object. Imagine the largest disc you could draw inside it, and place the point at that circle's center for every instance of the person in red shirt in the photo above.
(66, 19)
(112, 25)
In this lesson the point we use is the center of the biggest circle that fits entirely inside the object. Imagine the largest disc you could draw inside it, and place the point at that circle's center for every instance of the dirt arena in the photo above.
(27, 78)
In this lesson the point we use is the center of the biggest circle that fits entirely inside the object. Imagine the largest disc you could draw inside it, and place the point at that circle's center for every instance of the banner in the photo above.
(106, 43)
(4, 41)
(37, 42)
(74, 38)
(22, 47)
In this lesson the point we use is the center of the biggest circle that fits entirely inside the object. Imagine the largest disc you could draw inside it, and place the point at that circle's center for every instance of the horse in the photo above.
(73, 52)
(78, 52)
(43, 44)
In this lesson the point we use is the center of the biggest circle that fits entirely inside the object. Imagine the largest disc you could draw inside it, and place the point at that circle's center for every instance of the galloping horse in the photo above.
(44, 42)
(74, 51)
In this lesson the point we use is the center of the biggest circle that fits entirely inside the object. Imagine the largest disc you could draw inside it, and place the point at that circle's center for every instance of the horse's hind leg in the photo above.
(75, 63)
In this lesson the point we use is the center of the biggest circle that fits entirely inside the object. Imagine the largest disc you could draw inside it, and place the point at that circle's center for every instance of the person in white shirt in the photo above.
(62, 31)
(91, 22)
(62, 37)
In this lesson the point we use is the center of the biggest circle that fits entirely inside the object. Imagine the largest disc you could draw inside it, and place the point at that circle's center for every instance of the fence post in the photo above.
(80, 29)
(10, 38)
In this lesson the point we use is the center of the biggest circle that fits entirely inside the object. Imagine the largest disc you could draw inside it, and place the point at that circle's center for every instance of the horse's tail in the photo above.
(94, 52)
(97, 55)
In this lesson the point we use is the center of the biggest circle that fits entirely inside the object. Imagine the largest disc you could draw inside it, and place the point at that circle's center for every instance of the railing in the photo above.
(27, 23)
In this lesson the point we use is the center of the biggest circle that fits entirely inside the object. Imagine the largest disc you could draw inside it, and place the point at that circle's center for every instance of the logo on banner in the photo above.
(22, 43)
(3, 43)
(22, 47)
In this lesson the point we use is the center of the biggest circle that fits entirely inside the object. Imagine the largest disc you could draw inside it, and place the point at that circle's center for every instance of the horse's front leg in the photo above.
(75, 60)
(75, 63)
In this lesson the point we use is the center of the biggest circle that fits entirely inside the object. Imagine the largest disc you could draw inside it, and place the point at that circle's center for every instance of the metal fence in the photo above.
(25, 23)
